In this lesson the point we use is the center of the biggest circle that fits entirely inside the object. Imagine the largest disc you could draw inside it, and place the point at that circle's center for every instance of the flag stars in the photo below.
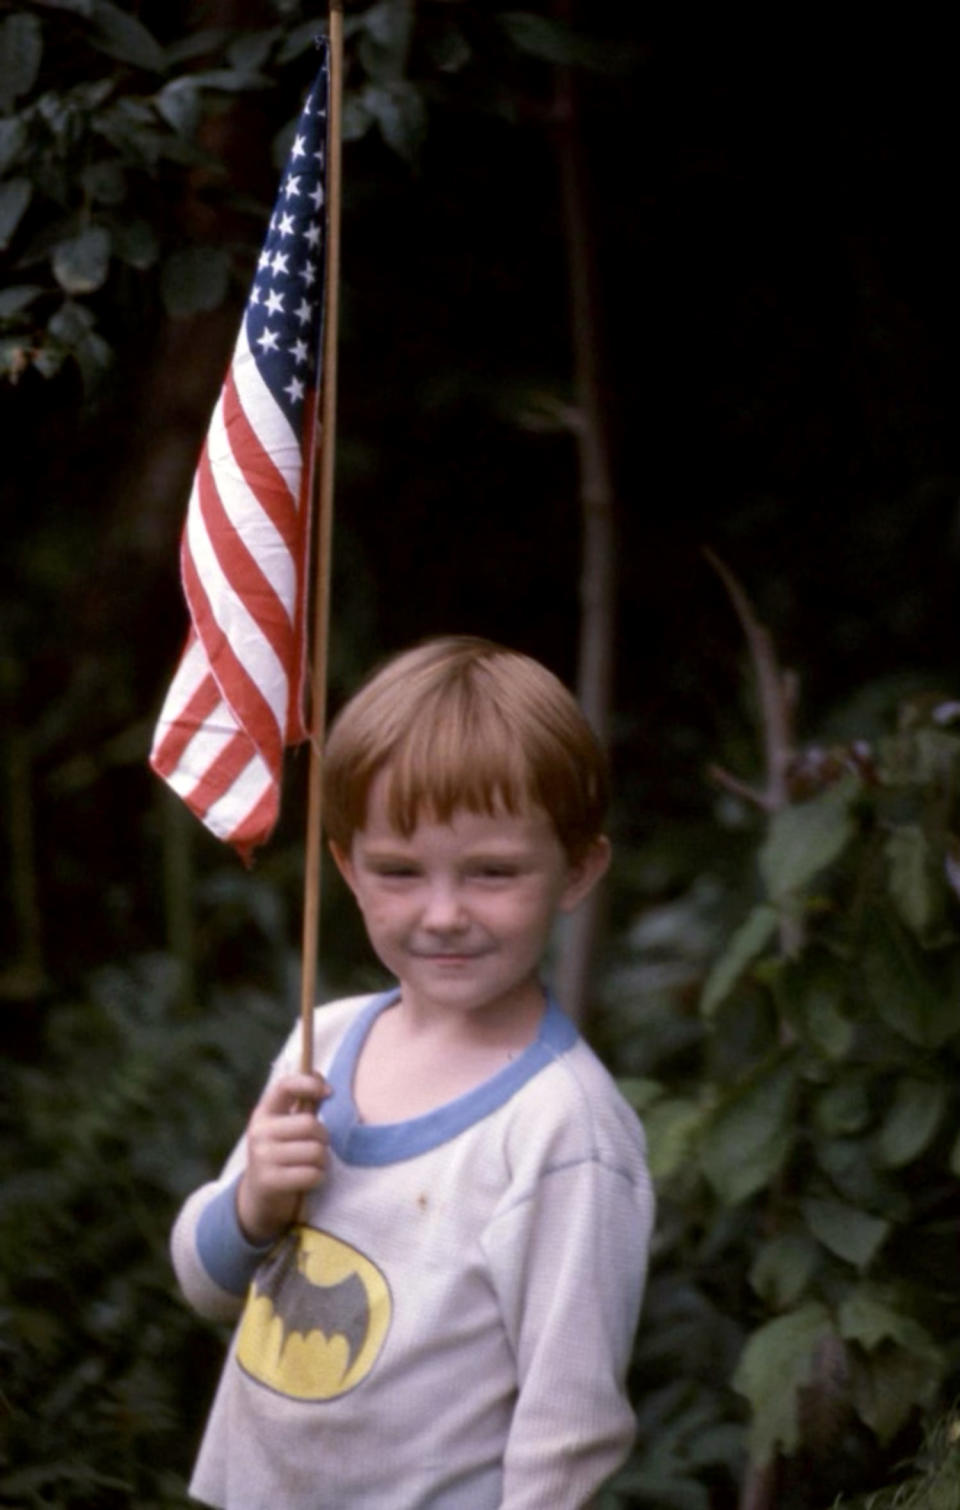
(284, 304)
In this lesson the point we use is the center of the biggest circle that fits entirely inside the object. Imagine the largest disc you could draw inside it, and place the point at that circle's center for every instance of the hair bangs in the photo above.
(459, 722)
(456, 755)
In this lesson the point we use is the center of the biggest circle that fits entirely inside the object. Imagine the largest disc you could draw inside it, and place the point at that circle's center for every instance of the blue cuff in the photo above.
(229, 1259)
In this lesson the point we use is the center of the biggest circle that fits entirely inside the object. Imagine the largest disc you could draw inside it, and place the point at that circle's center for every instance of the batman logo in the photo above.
(316, 1317)
(337, 1310)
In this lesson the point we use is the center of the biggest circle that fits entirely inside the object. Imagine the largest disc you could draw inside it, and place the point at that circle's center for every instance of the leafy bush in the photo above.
(105, 1375)
(806, 1130)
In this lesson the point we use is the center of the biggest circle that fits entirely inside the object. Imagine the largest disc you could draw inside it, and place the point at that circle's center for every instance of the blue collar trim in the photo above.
(357, 1142)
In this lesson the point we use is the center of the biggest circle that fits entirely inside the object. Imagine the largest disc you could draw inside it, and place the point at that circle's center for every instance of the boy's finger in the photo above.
(305, 1154)
(294, 1126)
(293, 1092)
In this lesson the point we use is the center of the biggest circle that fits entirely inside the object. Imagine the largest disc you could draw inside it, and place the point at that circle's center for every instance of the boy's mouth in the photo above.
(447, 954)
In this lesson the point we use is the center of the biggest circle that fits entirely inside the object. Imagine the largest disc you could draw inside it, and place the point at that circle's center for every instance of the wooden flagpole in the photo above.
(324, 541)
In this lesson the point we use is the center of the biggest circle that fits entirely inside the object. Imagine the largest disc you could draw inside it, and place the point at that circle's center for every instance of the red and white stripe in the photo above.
(235, 701)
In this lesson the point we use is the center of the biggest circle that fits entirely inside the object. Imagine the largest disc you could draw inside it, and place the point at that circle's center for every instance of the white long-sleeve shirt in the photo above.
(450, 1326)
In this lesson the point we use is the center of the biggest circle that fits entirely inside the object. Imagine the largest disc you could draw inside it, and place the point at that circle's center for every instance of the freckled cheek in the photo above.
(382, 919)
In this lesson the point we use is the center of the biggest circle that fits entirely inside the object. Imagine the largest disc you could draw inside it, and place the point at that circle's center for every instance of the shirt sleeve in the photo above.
(212, 1259)
(568, 1259)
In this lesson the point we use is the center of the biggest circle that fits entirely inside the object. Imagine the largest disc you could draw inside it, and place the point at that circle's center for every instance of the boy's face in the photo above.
(460, 912)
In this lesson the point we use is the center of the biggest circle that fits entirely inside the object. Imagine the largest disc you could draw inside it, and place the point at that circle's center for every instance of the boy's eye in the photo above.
(495, 871)
(396, 871)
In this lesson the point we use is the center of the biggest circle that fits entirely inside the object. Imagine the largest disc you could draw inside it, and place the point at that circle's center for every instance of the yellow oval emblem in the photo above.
(316, 1317)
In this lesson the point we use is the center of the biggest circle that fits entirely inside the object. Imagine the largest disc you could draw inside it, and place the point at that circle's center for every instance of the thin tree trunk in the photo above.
(598, 525)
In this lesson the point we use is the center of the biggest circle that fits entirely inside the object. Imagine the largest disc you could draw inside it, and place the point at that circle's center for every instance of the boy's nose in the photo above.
(443, 908)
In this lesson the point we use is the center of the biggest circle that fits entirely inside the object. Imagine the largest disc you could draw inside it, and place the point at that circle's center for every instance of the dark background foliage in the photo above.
(773, 225)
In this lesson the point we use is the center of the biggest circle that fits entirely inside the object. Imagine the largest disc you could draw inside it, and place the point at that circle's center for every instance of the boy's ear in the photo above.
(343, 862)
(585, 872)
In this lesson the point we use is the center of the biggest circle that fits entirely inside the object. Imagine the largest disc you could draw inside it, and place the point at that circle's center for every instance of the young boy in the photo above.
(438, 1277)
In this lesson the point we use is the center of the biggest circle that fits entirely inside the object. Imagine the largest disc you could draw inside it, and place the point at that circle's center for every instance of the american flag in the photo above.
(236, 698)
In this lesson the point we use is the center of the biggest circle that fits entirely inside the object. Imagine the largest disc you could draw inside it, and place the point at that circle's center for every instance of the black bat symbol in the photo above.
(339, 1310)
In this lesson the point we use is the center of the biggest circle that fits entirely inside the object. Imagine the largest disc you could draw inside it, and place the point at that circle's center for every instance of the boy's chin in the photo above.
(452, 988)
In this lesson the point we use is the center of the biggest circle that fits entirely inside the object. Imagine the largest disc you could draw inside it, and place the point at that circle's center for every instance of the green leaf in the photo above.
(399, 112)
(105, 182)
(15, 195)
(450, 50)
(79, 7)
(385, 40)
(15, 358)
(814, 990)
(21, 50)
(179, 104)
(937, 754)
(910, 876)
(866, 1316)
(135, 243)
(842, 1109)
(297, 42)
(804, 839)
(750, 939)
(783, 1267)
(12, 137)
(748, 1135)
(122, 36)
(671, 1126)
(849, 1165)
(646, 1486)
(194, 279)
(249, 52)
(73, 326)
(81, 264)
(230, 80)
(888, 1386)
(553, 41)
(71, 322)
(776, 1363)
(15, 299)
(49, 360)
(912, 1121)
(209, 41)
(357, 116)
(639, 1091)
(847, 1231)
(899, 988)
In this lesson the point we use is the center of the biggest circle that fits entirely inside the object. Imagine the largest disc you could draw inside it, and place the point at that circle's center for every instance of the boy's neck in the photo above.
(512, 1022)
(415, 1060)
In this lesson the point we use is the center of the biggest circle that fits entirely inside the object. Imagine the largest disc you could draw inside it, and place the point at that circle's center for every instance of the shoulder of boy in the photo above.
(576, 1112)
(330, 1022)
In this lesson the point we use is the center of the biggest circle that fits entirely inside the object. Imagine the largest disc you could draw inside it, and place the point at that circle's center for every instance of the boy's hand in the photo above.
(286, 1155)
